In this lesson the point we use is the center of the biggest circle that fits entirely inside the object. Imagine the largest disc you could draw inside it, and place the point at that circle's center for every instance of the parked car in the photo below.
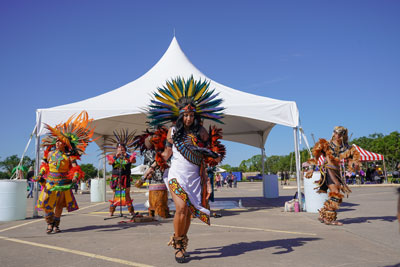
(256, 177)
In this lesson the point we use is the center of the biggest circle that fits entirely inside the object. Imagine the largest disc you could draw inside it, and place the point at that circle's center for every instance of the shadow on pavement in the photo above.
(116, 226)
(367, 219)
(348, 204)
(396, 265)
(285, 245)
(226, 206)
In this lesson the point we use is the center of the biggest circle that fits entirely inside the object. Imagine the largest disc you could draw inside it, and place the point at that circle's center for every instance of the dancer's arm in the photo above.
(166, 154)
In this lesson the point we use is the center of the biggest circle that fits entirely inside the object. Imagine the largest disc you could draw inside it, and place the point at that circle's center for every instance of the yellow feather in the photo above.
(190, 90)
(174, 94)
(165, 101)
(200, 93)
(173, 90)
(177, 88)
(167, 96)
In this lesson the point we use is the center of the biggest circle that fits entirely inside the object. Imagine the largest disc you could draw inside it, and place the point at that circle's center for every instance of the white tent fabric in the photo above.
(248, 118)
(139, 170)
(220, 169)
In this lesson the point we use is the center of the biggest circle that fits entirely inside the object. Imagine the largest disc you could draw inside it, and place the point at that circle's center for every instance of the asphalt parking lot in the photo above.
(252, 231)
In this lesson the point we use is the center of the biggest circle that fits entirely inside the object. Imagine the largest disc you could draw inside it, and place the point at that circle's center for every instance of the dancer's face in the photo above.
(188, 118)
(121, 149)
(59, 145)
(337, 136)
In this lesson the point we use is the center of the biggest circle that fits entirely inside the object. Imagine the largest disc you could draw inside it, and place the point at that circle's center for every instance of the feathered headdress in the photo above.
(179, 96)
(75, 134)
(342, 131)
(121, 137)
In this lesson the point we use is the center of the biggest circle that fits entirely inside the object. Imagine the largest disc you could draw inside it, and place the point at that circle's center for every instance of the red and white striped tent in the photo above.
(365, 155)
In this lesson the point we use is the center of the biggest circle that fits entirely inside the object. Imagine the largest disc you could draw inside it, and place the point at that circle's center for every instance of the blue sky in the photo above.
(339, 60)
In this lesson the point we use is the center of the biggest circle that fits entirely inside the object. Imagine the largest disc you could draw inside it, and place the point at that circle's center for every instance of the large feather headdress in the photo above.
(121, 137)
(75, 134)
(194, 95)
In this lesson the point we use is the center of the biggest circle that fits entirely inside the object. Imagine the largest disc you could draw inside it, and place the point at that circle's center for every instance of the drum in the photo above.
(158, 200)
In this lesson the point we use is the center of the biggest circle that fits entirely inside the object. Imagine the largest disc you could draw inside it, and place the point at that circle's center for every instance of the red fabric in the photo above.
(76, 169)
(132, 157)
(110, 158)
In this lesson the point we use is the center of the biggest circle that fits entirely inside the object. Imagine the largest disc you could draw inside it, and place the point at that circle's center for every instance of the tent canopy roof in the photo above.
(248, 118)
(365, 155)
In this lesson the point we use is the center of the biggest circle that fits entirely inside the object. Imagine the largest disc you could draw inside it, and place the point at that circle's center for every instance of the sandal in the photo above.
(181, 259)
(50, 227)
(57, 229)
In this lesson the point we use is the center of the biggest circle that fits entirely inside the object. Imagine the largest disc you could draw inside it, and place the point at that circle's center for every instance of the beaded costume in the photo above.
(121, 168)
(187, 177)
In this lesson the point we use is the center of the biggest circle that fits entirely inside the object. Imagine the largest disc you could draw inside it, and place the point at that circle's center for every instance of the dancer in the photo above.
(185, 104)
(65, 144)
(151, 145)
(121, 162)
(332, 178)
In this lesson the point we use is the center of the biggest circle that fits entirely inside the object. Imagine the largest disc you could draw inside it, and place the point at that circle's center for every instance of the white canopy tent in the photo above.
(139, 170)
(248, 118)
(219, 169)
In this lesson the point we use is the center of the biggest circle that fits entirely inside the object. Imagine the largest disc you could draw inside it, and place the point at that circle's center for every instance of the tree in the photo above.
(226, 167)
(89, 170)
(387, 145)
(9, 163)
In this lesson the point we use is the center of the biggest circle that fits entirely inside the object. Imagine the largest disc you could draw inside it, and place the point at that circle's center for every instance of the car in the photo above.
(255, 177)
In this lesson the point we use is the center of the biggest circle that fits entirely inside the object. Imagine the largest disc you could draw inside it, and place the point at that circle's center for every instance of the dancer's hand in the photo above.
(309, 173)
(149, 173)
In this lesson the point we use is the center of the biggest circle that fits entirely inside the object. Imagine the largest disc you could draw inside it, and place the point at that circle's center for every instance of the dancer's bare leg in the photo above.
(181, 226)
(188, 220)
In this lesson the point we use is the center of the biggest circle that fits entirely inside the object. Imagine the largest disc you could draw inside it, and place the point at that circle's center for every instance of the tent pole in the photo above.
(384, 169)
(297, 157)
(263, 172)
(37, 165)
(104, 172)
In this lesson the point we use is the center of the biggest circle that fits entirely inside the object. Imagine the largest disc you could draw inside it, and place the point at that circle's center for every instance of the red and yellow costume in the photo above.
(59, 170)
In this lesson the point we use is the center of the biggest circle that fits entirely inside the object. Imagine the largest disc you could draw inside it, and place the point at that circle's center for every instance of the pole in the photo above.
(384, 170)
(263, 171)
(297, 157)
(37, 164)
(104, 172)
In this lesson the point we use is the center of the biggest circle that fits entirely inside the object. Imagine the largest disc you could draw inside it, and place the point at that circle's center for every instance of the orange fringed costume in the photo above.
(331, 173)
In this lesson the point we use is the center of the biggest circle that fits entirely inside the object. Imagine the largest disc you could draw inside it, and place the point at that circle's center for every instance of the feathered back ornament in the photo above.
(121, 137)
(215, 145)
(75, 134)
(180, 95)
(153, 141)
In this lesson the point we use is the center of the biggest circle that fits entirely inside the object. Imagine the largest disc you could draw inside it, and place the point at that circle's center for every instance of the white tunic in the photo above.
(188, 176)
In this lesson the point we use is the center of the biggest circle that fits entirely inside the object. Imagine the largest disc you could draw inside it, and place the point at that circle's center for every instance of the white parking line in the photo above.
(257, 229)
(40, 220)
(77, 252)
